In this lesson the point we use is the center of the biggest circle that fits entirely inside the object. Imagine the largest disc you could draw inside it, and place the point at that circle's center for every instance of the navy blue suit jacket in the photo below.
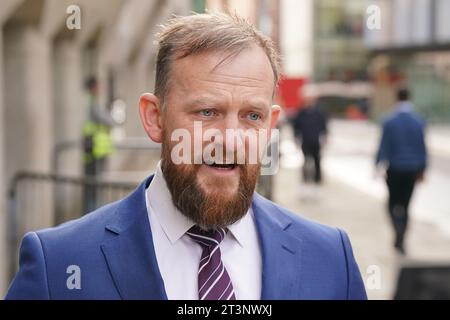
(113, 249)
(403, 143)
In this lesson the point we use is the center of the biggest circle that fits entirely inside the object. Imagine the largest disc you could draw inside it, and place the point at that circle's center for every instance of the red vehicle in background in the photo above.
(339, 99)
(289, 94)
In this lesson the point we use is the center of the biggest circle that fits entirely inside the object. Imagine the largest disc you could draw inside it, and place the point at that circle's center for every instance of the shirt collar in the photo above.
(240, 228)
(173, 222)
(404, 106)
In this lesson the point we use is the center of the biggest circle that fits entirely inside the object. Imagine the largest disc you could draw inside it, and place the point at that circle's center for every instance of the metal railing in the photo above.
(39, 201)
(128, 144)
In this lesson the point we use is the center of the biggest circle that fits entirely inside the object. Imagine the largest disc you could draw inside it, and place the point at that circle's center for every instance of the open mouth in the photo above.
(222, 166)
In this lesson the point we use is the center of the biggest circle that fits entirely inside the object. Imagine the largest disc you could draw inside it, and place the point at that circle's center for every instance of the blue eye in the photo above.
(207, 112)
(254, 116)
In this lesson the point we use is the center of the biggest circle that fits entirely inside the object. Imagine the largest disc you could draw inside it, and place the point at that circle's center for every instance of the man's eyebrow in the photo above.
(257, 103)
(214, 101)
(202, 101)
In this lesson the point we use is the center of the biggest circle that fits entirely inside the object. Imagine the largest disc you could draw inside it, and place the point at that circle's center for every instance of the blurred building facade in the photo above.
(322, 39)
(339, 50)
(412, 47)
(43, 65)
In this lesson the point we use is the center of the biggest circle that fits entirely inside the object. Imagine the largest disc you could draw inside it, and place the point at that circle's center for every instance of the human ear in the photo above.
(150, 113)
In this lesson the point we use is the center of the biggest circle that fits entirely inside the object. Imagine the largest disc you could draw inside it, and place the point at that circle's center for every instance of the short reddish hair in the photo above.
(189, 35)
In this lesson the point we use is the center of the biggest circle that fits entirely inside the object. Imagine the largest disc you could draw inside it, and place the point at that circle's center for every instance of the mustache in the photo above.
(223, 156)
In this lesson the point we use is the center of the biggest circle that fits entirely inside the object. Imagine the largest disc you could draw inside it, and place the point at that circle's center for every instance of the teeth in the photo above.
(225, 166)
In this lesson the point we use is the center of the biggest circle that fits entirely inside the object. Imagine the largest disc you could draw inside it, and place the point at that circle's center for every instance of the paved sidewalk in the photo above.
(349, 157)
(364, 217)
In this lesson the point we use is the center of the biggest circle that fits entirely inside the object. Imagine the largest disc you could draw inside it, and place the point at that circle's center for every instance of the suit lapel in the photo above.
(129, 251)
(281, 252)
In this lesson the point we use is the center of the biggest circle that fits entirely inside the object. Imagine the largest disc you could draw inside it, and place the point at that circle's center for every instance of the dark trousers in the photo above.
(311, 167)
(92, 170)
(401, 186)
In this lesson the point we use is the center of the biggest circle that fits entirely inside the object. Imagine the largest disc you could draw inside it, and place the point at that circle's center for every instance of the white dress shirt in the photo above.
(178, 255)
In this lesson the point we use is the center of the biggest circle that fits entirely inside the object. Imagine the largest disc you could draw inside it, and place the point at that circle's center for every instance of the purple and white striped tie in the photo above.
(214, 283)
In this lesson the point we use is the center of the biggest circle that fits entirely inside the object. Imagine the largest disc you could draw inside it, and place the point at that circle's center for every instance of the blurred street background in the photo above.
(71, 73)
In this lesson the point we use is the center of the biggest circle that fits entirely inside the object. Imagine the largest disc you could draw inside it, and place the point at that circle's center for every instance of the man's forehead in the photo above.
(248, 67)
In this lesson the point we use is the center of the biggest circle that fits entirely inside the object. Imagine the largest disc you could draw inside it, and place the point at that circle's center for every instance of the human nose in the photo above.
(232, 133)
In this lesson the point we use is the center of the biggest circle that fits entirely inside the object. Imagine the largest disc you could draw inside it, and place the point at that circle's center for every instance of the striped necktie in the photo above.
(214, 283)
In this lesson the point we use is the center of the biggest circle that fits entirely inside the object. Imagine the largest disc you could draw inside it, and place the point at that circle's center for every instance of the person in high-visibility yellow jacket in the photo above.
(98, 143)
(96, 129)
(97, 139)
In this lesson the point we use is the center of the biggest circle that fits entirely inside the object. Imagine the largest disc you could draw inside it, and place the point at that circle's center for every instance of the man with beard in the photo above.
(196, 229)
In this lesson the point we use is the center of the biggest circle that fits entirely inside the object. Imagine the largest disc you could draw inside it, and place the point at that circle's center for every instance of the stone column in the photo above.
(3, 212)
(29, 114)
(28, 119)
(70, 108)
(69, 113)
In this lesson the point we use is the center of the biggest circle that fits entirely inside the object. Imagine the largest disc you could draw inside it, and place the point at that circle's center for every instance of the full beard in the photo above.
(213, 209)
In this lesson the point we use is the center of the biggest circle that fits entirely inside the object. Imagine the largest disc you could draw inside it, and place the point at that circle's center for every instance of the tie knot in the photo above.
(207, 238)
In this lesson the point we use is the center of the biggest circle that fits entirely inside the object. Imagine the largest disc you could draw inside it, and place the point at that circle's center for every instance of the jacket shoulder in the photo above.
(303, 227)
(47, 257)
(326, 254)
(79, 233)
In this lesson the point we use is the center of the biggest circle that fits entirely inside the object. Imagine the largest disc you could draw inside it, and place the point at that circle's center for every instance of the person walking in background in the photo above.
(403, 151)
(310, 130)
